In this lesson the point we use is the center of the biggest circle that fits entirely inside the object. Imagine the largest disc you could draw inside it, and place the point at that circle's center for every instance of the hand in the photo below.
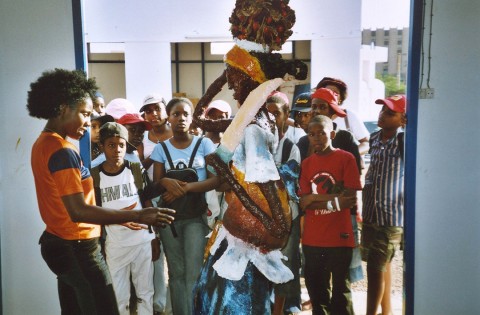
(155, 249)
(174, 187)
(168, 197)
(346, 202)
(135, 226)
(156, 216)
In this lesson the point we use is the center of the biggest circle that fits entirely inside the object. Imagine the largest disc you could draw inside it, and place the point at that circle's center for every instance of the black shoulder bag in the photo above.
(193, 204)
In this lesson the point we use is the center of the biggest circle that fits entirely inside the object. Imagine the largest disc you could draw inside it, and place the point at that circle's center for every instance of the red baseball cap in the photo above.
(397, 103)
(133, 118)
(331, 98)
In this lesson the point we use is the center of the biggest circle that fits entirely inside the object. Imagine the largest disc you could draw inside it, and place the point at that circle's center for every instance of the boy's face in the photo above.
(156, 114)
(390, 120)
(114, 149)
(319, 136)
(135, 133)
(280, 115)
(321, 107)
(99, 105)
(302, 119)
(95, 131)
(195, 130)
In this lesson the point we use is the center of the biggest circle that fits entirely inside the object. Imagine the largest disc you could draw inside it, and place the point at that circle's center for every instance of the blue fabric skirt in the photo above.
(216, 295)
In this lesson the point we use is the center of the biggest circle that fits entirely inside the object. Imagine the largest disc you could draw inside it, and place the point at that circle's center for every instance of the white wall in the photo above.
(186, 20)
(110, 78)
(333, 26)
(34, 36)
(147, 70)
(447, 259)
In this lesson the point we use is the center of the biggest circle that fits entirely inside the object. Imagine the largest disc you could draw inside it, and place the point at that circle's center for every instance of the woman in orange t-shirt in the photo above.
(66, 198)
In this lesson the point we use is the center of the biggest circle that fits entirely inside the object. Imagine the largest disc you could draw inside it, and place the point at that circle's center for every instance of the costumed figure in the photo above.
(244, 256)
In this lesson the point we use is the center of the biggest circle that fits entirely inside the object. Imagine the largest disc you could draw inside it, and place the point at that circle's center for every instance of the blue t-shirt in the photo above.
(183, 155)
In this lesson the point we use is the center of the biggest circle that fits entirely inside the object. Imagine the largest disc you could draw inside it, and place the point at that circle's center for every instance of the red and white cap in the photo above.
(397, 103)
(133, 118)
(331, 98)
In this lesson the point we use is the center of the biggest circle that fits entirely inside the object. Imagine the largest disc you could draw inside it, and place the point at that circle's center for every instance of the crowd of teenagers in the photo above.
(135, 230)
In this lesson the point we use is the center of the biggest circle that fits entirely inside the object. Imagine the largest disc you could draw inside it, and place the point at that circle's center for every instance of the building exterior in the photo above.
(396, 40)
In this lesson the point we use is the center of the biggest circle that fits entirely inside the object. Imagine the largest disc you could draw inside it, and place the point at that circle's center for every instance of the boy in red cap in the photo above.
(383, 202)
(136, 127)
(325, 102)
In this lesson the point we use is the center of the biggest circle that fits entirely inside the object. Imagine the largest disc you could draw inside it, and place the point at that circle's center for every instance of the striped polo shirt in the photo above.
(383, 190)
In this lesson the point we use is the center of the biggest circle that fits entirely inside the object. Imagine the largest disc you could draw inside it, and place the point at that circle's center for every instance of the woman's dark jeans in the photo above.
(84, 283)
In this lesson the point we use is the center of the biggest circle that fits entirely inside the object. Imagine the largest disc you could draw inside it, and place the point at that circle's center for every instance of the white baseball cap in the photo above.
(152, 99)
(119, 107)
(221, 106)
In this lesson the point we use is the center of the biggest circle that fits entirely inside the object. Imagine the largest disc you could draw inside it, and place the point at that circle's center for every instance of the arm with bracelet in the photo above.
(337, 202)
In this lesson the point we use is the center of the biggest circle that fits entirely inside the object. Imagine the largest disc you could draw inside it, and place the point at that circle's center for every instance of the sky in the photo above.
(385, 14)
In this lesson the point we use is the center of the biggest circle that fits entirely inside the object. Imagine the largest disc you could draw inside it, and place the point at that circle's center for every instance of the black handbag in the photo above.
(193, 204)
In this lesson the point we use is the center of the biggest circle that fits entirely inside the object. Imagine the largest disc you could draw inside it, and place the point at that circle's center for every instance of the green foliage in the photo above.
(392, 86)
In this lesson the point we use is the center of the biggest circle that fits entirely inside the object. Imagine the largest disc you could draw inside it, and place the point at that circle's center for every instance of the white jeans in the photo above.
(160, 282)
(137, 261)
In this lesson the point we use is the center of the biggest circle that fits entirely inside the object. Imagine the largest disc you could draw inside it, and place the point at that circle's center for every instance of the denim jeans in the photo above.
(323, 264)
(291, 289)
(84, 283)
(185, 259)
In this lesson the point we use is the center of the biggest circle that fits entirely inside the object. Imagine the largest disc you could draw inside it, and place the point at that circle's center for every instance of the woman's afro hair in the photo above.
(58, 87)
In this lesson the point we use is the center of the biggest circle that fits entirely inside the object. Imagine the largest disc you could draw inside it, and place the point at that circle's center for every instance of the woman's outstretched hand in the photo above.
(156, 216)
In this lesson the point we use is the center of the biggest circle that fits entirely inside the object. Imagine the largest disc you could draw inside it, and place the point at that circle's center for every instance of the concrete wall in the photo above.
(447, 269)
(34, 36)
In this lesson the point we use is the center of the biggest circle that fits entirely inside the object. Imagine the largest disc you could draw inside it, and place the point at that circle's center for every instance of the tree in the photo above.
(393, 85)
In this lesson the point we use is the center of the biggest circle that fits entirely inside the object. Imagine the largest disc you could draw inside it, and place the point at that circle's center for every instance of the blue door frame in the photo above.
(416, 34)
(81, 64)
